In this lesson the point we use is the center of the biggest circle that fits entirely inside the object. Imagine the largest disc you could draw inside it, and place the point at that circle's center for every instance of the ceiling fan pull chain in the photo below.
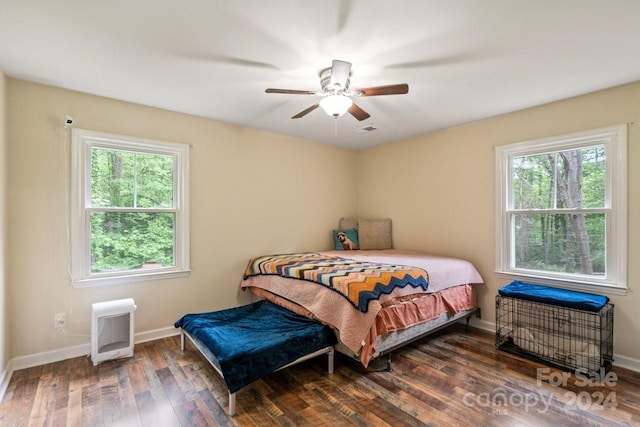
(335, 119)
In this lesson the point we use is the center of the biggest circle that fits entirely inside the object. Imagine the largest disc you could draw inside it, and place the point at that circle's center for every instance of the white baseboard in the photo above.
(6, 377)
(626, 362)
(52, 356)
(482, 324)
(156, 334)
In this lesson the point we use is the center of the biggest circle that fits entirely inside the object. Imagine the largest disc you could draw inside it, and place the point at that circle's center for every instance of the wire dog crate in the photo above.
(568, 338)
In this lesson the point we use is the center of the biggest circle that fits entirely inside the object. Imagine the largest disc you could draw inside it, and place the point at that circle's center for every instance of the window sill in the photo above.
(129, 278)
(598, 288)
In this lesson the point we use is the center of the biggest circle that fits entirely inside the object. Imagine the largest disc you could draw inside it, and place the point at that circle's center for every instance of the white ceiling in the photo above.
(464, 60)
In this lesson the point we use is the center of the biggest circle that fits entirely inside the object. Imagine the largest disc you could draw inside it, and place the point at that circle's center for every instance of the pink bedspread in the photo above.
(353, 326)
(396, 314)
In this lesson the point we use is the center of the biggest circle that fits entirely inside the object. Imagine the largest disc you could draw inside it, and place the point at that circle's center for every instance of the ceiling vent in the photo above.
(366, 129)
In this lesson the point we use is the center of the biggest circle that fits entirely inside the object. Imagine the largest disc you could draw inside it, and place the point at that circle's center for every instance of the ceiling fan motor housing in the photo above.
(325, 82)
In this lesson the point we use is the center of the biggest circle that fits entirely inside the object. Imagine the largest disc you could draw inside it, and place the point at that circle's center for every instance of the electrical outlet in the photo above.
(60, 320)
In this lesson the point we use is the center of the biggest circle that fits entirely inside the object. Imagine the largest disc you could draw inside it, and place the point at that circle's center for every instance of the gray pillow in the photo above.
(347, 223)
(374, 233)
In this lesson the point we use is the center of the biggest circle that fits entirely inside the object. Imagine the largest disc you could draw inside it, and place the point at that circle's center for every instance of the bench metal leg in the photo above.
(232, 396)
(232, 404)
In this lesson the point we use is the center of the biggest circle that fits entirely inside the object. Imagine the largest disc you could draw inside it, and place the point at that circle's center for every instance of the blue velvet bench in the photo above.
(244, 344)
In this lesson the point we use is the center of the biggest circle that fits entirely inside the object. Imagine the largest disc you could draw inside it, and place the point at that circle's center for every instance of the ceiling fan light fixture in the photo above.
(336, 105)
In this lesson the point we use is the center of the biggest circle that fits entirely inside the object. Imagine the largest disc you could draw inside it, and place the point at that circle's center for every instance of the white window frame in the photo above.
(614, 139)
(82, 142)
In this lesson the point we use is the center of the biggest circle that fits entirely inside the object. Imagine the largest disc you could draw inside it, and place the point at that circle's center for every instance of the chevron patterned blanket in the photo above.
(359, 282)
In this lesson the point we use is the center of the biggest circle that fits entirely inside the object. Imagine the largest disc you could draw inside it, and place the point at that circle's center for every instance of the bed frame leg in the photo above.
(330, 356)
(389, 368)
(466, 327)
(232, 404)
(181, 340)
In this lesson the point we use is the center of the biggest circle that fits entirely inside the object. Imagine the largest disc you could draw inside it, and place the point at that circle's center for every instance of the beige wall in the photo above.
(439, 189)
(439, 192)
(252, 192)
(4, 314)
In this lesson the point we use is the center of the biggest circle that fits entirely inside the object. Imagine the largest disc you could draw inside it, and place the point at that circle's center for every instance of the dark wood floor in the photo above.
(450, 379)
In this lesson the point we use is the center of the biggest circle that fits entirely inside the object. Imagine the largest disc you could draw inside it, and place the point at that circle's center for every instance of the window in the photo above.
(561, 210)
(129, 209)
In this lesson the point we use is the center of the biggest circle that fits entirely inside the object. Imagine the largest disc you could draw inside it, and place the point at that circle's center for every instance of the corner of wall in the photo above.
(5, 368)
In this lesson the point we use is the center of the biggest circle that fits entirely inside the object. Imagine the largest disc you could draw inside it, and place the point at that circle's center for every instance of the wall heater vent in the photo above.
(112, 331)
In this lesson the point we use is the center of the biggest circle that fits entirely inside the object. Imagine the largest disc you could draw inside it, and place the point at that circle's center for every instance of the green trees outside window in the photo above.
(132, 220)
(558, 216)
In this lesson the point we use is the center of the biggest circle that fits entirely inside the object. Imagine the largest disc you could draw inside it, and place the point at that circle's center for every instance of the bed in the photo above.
(394, 315)
(365, 303)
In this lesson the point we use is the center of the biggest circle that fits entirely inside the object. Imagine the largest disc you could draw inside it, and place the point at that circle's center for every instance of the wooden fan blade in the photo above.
(340, 73)
(305, 112)
(399, 89)
(358, 112)
(231, 60)
(291, 91)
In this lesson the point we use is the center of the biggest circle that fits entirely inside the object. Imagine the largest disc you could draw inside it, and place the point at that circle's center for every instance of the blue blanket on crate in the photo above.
(256, 339)
(554, 296)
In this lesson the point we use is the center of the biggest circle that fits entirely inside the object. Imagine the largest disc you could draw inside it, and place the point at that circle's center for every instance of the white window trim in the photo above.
(81, 142)
(615, 140)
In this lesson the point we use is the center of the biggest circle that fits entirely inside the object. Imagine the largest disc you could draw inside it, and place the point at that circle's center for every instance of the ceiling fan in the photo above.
(336, 93)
